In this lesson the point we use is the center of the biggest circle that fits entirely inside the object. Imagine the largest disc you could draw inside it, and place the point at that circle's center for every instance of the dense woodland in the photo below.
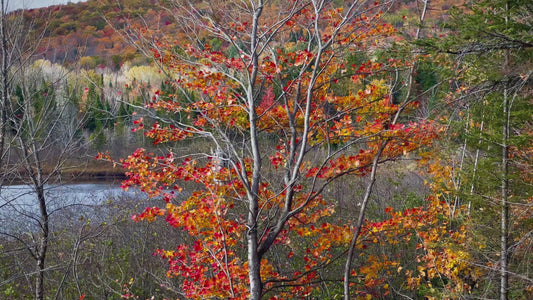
(305, 149)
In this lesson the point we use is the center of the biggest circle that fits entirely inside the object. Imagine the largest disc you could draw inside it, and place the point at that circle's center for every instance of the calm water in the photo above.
(19, 207)
(82, 193)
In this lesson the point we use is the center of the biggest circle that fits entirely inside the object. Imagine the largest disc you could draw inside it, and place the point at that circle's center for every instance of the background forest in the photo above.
(269, 149)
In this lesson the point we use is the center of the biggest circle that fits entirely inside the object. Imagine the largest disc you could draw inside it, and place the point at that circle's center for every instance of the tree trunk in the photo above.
(504, 275)
(353, 243)
(34, 165)
(504, 254)
(43, 245)
(254, 265)
(4, 82)
(254, 259)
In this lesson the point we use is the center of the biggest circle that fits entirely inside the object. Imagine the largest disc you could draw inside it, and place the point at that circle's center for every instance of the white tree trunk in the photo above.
(504, 275)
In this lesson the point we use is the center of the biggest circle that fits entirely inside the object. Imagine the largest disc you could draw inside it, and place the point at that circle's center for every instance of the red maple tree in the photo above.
(285, 97)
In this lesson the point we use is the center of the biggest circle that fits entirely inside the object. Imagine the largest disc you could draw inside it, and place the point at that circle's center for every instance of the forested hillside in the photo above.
(277, 149)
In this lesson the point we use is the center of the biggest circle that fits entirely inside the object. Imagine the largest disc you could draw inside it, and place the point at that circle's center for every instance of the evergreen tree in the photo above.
(491, 49)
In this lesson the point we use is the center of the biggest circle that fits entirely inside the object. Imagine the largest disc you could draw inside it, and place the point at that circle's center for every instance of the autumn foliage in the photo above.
(288, 105)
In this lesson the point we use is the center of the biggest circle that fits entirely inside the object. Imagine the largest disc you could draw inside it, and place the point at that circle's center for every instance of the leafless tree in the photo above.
(39, 125)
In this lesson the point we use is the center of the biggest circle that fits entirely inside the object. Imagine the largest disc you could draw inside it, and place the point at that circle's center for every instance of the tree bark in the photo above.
(43, 245)
(254, 259)
(504, 254)
(5, 91)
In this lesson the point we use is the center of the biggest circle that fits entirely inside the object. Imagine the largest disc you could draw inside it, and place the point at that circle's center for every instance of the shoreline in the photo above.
(72, 177)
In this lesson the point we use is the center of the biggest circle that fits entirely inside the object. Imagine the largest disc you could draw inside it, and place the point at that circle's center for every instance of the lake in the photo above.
(19, 207)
